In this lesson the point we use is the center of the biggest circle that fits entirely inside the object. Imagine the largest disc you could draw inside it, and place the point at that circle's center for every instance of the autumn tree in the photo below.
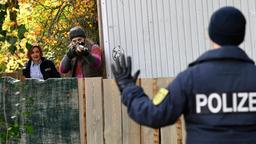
(46, 22)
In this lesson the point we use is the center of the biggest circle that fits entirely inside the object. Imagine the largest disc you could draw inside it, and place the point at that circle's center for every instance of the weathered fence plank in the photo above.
(131, 130)
(112, 113)
(183, 130)
(94, 110)
(82, 110)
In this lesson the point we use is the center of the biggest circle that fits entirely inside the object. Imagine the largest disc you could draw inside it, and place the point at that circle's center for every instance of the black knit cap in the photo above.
(76, 32)
(227, 26)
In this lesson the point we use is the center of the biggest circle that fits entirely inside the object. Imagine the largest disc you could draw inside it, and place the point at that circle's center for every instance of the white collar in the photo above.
(32, 63)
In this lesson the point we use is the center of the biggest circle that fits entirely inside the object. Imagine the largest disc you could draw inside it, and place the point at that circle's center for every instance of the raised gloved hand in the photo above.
(71, 53)
(122, 72)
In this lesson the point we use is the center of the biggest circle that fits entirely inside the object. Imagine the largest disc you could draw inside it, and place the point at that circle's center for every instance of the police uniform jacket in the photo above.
(216, 94)
(47, 69)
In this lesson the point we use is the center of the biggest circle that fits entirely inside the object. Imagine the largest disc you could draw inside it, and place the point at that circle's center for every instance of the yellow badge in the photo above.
(159, 97)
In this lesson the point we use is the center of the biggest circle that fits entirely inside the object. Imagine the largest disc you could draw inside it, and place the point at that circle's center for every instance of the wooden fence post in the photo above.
(82, 110)
(94, 110)
(112, 113)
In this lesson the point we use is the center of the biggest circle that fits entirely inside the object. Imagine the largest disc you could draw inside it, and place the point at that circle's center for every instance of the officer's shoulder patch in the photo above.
(159, 97)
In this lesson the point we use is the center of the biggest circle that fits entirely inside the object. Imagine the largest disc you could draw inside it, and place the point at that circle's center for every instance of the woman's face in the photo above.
(35, 55)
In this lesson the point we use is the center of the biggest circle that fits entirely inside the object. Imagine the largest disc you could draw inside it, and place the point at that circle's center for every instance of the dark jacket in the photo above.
(216, 94)
(47, 68)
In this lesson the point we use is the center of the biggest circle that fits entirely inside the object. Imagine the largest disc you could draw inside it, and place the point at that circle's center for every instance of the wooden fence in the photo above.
(104, 120)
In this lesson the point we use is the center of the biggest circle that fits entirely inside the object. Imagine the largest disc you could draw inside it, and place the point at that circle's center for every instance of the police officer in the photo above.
(216, 93)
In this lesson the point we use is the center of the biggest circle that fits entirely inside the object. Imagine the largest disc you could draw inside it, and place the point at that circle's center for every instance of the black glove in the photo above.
(82, 50)
(85, 52)
(71, 53)
(122, 73)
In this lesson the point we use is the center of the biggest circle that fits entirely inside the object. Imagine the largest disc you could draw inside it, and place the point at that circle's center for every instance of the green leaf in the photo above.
(12, 49)
(21, 30)
(3, 32)
(2, 18)
(2, 37)
(26, 114)
(28, 45)
(2, 68)
(11, 40)
(29, 128)
(2, 6)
